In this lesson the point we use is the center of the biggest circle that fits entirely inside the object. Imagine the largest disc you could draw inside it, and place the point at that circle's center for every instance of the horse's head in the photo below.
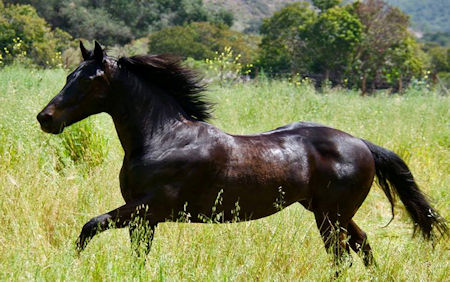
(83, 95)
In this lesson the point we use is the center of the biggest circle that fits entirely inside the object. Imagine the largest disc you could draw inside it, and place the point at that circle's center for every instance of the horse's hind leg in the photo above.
(358, 242)
(333, 231)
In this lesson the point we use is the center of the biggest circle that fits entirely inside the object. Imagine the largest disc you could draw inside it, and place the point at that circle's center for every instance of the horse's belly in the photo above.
(248, 201)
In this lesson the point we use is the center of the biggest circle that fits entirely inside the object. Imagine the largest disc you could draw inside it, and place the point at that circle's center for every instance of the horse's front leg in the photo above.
(117, 218)
(141, 236)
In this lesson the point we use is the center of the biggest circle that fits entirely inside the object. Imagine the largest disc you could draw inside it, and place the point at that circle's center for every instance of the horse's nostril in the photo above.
(44, 118)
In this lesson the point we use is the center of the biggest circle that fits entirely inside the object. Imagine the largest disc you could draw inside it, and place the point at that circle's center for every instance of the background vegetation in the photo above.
(24, 36)
(120, 21)
(366, 45)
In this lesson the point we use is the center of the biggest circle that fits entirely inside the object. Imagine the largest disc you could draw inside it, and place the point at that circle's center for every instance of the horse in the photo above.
(174, 161)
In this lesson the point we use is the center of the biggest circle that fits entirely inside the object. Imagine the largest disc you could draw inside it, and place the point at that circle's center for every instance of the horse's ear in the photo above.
(99, 54)
(84, 52)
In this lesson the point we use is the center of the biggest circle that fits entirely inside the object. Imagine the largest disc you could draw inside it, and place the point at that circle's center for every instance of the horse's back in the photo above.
(300, 151)
(297, 125)
(335, 156)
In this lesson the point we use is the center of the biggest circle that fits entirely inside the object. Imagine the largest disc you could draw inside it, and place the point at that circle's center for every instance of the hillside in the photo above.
(248, 14)
(426, 15)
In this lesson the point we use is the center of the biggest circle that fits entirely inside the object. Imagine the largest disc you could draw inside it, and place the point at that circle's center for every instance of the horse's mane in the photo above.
(182, 84)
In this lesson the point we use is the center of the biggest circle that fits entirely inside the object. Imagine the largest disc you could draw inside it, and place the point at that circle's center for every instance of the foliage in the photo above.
(334, 38)
(43, 209)
(428, 16)
(248, 14)
(439, 65)
(93, 23)
(283, 47)
(26, 37)
(385, 37)
(440, 58)
(82, 144)
(201, 41)
(324, 5)
(404, 60)
(225, 68)
(364, 45)
(120, 21)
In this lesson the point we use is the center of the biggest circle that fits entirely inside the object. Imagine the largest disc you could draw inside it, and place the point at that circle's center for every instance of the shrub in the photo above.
(225, 67)
(24, 36)
(201, 41)
(83, 144)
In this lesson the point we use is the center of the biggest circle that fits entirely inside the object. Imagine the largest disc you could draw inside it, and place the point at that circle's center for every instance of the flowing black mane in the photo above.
(183, 84)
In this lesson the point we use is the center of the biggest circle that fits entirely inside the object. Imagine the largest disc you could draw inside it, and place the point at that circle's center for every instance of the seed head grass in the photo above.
(51, 185)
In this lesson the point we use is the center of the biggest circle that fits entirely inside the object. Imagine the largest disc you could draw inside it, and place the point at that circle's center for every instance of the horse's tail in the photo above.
(394, 175)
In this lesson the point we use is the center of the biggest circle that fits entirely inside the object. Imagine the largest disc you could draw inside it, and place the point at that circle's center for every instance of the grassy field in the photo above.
(51, 185)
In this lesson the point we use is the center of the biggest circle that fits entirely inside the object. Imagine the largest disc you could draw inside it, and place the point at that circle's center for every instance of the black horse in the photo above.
(175, 162)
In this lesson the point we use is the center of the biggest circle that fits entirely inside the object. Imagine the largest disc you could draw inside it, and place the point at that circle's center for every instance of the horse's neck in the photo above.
(140, 125)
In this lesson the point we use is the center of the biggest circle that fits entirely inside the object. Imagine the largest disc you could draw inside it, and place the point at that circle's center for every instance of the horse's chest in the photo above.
(143, 179)
(134, 182)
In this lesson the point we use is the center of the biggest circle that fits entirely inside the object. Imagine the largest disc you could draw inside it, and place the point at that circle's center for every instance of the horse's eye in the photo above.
(96, 78)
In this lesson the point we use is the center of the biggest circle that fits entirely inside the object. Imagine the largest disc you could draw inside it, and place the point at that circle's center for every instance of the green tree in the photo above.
(439, 58)
(201, 41)
(334, 38)
(384, 28)
(324, 5)
(120, 21)
(94, 23)
(23, 34)
(284, 45)
(404, 61)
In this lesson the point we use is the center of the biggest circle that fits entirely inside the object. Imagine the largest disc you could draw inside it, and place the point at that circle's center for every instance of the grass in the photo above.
(51, 185)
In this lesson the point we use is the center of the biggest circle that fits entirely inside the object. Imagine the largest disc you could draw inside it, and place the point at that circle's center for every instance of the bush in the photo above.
(26, 37)
(201, 41)
(83, 144)
(120, 21)
(225, 67)
(282, 48)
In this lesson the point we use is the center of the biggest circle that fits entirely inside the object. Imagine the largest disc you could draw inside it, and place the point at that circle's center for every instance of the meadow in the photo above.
(51, 185)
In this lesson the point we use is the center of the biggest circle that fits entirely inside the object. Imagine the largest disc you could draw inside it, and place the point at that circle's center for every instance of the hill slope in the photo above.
(248, 14)
(426, 15)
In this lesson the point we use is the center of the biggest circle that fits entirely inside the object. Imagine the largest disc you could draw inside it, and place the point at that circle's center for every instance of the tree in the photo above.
(404, 61)
(334, 37)
(324, 5)
(384, 28)
(94, 23)
(201, 41)
(284, 45)
(120, 21)
(360, 44)
(439, 57)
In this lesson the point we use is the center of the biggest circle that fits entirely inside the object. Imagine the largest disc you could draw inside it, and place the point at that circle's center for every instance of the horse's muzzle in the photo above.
(48, 123)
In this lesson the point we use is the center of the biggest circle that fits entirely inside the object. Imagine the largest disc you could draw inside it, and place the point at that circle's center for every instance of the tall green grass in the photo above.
(50, 185)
